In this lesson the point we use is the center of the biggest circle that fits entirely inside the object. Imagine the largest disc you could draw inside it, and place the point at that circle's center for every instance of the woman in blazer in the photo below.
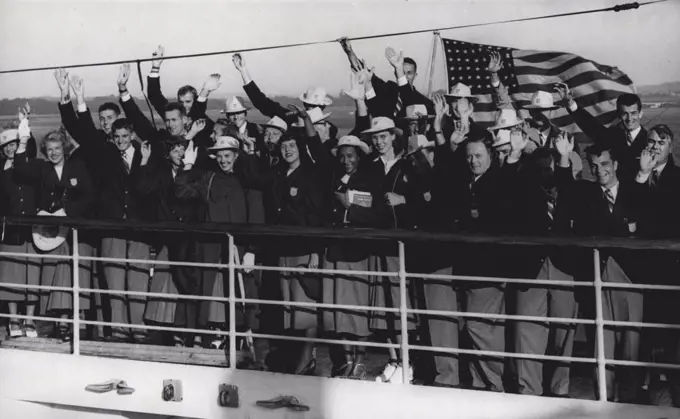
(65, 188)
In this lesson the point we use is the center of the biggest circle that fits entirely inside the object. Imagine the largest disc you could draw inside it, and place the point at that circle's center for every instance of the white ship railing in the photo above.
(362, 234)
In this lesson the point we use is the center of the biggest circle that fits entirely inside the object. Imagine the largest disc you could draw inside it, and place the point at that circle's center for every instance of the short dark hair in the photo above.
(226, 127)
(628, 99)
(109, 106)
(187, 89)
(122, 123)
(596, 150)
(175, 106)
(409, 60)
(663, 131)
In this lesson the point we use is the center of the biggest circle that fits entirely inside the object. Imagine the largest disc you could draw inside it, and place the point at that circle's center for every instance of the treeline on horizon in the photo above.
(48, 105)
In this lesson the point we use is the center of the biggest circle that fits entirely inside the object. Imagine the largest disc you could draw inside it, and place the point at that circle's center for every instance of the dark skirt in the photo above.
(19, 270)
(59, 273)
(346, 290)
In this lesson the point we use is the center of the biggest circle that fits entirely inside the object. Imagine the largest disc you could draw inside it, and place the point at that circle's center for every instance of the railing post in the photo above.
(402, 311)
(599, 324)
(232, 304)
(76, 294)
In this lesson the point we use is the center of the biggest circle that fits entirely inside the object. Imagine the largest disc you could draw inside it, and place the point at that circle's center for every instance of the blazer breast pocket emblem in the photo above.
(293, 191)
(74, 182)
(427, 196)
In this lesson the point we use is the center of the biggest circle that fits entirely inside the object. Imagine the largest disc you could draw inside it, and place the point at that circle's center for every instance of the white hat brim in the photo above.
(362, 146)
(227, 112)
(325, 102)
(323, 118)
(497, 127)
(471, 97)
(46, 242)
(398, 131)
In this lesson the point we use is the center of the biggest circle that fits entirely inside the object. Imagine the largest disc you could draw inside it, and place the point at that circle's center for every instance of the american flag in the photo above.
(524, 72)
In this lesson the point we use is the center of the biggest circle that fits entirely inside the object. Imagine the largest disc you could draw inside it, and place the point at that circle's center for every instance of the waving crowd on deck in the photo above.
(410, 162)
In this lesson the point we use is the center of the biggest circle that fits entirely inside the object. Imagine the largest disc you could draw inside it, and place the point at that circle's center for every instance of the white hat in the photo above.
(382, 123)
(277, 122)
(8, 136)
(542, 101)
(315, 114)
(49, 238)
(501, 138)
(225, 143)
(316, 96)
(506, 118)
(415, 112)
(420, 143)
(350, 140)
(460, 90)
(234, 105)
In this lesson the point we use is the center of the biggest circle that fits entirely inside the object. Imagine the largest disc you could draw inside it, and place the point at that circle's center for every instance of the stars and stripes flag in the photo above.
(595, 86)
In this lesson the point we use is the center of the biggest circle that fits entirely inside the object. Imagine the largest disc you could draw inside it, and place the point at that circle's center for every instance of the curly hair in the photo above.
(60, 136)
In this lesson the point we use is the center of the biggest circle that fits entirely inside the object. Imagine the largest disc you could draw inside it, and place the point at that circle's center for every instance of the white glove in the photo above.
(248, 262)
(190, 155)
(24, 129)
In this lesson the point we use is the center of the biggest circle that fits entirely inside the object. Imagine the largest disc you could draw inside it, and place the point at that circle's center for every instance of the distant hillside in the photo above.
(48, 105)
(663, 89)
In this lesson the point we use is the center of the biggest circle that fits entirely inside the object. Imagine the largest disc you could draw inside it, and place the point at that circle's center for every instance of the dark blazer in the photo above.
(18, 197)
(615, 137)
(401, 180)
(662, 204)
(159, 102)
(387, 95)
(74, 192)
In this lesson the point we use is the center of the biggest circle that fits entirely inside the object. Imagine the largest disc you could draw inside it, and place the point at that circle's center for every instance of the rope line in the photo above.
(617, 8)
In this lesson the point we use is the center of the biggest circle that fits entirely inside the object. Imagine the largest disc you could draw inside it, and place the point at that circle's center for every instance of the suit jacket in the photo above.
(615, 137)
(662, 204)
(74, 192)
(387, 94)
(18, 197)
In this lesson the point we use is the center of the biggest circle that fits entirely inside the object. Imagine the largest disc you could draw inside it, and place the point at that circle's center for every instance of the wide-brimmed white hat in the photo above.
(316, 96)
(507, 118)
(350, 140)
(277, 122)
(225, 143)
(542, 101)
(382, 123)
(416, 112)
(234, 105)
(501, 138)
(315, 114)
(47, 238)
(8, 135)
(420, 143)
(462, 91)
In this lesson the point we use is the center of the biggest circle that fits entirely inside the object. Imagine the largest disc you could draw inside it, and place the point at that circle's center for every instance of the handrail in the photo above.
(359, 234)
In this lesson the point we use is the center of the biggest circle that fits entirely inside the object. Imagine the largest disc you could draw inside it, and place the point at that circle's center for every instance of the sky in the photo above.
(644, 43)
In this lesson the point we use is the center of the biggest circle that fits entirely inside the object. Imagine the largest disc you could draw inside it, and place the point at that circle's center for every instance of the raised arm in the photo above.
(142, 125)
(357, 92)
(500, 95)
(587, 122)
(158, 101)
(69, 119)
(200, 106)
(86, 133)
(260, 101)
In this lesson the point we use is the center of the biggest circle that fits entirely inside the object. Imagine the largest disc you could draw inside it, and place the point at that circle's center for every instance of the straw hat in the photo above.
(350, 140)
(542, 101)
(416, 112)
(49, 238)
(507, 118)
(501, 138)
(420, 143)
(462, 91)
(225, 143)
(234, 105)
(9, 135)
(315, 114)
(382, 123)
(278, 123)
(316, 96)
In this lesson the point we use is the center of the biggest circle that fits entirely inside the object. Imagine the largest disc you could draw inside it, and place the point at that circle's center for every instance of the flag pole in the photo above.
(436, 38)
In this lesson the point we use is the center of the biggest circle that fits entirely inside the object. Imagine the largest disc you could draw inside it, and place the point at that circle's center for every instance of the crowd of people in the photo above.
(410, 162)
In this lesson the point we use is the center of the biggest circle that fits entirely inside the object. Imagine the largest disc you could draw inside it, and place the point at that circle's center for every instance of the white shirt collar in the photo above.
(129, 153)
(659, 168)
(242, 129)
(614, 189)
(8, 164)
(59, 168)
(388, 164)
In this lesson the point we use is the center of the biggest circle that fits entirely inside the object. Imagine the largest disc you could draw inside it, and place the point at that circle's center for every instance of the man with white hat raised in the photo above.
(237, 113)
(314, 97)
(510, 139)
(542, 133)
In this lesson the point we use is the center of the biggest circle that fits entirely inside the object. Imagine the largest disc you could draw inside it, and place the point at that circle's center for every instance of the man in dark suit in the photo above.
(626, 139)
(390, 99)
(612, 207)
(548, 182)
(194, 104)
(660, 178)
(249, 132)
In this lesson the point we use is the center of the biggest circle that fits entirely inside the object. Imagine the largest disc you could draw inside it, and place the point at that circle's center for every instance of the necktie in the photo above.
(125, 162)
(654, 178)
(610, 199)
(551, 201)
(629, 138)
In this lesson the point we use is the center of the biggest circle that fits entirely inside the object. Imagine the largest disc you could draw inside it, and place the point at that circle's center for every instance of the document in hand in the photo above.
(362, 199)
